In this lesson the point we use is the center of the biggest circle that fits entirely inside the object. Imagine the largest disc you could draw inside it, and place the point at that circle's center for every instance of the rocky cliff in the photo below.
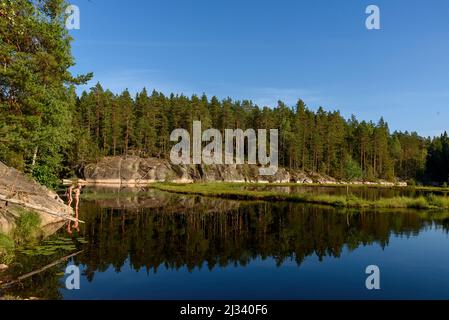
(141, 171)
(19, 193)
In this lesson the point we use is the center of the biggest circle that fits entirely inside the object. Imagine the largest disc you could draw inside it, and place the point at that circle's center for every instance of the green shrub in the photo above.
(6, 243)
(352, 170)
(27, 227)
(45, 175)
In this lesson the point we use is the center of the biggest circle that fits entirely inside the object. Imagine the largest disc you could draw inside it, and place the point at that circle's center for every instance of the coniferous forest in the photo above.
(323, 141)
(48, 131)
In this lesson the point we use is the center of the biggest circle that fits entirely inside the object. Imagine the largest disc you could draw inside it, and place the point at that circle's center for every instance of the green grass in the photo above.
(27, 227)
(438, 201)
(352, 186)
(6, 249)
(26, 230)
(234, 191)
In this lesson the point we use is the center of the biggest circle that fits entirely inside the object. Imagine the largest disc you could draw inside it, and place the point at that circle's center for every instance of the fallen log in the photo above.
(51, 265)
(40, 209)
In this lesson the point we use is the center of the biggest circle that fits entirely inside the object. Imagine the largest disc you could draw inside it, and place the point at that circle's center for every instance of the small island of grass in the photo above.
(236, 192)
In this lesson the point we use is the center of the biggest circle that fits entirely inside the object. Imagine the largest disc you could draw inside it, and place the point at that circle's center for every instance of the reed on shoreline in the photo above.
(234, 191)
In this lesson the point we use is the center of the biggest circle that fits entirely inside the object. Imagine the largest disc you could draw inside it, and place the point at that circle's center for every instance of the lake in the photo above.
(155, 245)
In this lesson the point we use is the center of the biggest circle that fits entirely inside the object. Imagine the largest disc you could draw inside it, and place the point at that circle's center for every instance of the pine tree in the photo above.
(36, 87)
(127, 116)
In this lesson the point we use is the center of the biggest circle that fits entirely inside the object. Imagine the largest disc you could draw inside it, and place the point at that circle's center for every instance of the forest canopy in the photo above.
(37, 93)
(108, 124)
(48, 131)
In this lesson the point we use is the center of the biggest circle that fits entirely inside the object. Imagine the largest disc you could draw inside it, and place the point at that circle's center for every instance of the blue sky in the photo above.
(317, 50)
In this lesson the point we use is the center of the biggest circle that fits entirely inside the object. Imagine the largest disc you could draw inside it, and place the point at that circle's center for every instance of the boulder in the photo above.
(19, 192)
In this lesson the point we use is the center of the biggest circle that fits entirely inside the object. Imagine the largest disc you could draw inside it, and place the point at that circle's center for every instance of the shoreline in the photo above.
(117, 183)
(229, 191)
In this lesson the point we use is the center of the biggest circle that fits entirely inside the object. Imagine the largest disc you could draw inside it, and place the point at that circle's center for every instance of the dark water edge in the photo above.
(164, 246)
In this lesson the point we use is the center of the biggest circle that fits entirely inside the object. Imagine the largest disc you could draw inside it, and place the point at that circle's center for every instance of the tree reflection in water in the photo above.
(159, 230)
(232, 233)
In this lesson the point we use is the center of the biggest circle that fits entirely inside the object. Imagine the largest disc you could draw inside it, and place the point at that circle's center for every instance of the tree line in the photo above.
(108, 124)
(47, 130)
(37, 90)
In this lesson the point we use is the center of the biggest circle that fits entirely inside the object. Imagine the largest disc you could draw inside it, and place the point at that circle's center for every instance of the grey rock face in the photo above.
(18, 192)
(133, 170)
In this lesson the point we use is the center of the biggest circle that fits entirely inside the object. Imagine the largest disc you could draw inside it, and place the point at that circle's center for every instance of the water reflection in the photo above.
(75, 225)
(199, 234)
(155, 231)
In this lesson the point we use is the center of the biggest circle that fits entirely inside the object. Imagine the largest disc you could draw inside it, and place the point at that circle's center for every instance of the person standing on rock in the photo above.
(77, 200)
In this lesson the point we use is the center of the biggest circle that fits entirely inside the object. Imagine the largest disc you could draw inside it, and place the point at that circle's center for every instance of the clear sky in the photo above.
(317, 50)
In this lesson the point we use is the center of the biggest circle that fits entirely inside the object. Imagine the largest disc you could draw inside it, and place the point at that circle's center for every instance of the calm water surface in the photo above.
(364, 192)
(162, 246)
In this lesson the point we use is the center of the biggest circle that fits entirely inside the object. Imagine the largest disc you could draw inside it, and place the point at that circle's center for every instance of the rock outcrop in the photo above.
(131, 171)
(19, 193)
